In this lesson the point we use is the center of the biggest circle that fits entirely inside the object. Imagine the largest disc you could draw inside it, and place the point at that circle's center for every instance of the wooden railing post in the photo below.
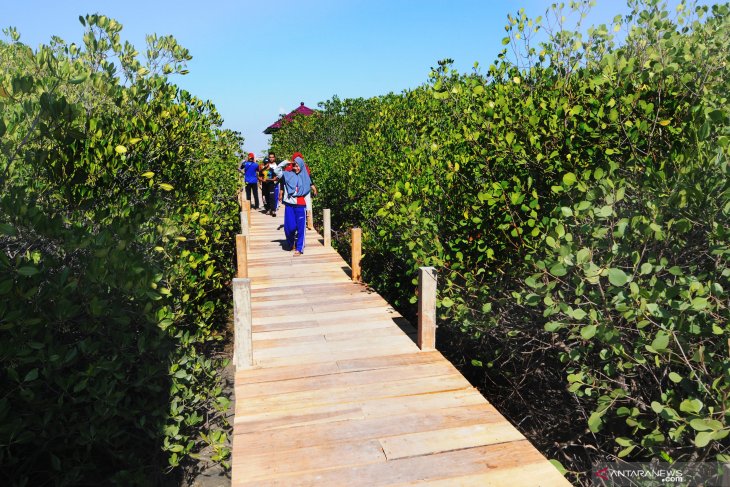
(242, 255)
(247, 210)
(327, 228)
(242, 339)
(427, 308)
(356, 253)
(245, 226)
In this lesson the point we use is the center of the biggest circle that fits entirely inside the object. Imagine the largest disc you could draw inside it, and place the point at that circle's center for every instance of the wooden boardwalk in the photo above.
(340, 395)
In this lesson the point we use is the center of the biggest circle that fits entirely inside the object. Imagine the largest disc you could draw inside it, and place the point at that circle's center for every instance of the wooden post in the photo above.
(356, 253)
(243, 339)
(244, 223)
(247, 209)
(242, 255)
(427, 308)
(327, 233)
(245, 226)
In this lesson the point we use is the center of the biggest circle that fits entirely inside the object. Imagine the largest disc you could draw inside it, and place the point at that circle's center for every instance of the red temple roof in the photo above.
(300, 110)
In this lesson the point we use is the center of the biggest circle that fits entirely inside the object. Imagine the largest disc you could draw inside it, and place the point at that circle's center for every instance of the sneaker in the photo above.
(297, 253)
(273, 213)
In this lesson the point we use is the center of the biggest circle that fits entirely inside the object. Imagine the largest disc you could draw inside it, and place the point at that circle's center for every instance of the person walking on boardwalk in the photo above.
(296, 185)
(250, 170)
(269, 184)
(308, 199)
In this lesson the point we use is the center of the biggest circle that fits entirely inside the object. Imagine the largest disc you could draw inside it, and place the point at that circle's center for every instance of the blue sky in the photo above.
(255, 60)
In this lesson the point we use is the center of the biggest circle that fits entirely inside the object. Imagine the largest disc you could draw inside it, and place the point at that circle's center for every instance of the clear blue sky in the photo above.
(257, 59)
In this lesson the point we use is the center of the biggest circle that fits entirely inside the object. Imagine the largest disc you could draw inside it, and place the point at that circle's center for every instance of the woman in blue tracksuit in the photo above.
(296, 185)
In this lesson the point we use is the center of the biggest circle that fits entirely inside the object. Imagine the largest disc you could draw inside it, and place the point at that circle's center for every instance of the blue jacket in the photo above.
(251, 172)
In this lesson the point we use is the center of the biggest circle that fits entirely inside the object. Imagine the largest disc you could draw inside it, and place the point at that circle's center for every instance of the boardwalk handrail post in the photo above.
(247, 209)
(243, 338)
(327, 233)
(242, 256)
(245, 225)
(356, 253)
(427, 308)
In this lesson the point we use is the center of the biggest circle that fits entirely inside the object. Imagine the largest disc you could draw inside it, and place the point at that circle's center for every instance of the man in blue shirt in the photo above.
(250, 170)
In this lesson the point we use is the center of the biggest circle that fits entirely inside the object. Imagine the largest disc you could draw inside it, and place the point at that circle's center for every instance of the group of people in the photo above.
(288, 182)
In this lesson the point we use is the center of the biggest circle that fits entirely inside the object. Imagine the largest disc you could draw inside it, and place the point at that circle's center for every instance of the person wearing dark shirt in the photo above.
(269, 185)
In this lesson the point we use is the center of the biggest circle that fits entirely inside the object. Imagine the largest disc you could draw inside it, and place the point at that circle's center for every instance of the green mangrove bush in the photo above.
(116, 217)
(574, 197)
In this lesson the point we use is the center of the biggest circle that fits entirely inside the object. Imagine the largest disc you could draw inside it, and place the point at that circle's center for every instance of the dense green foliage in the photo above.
(575, 199)
(116, 223)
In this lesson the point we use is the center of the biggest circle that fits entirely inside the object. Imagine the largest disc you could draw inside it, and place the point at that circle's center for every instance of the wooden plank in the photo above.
(336, 328)
(337, 286)
(303, 310)
(269, 374)
(360, 429)
(314, 275)
(343, 350)
(356, 332)
(315, 279)
(343, 315)
(314, 358)
(449, 465)
(312, 256)
(262, 295)
(262, 466)
(320, 383)
(279, 342)
(288, 419)
(541, 474)
(299, 399)
(353, 296)
(279, 301)
(284, 325)
(285, 272)
(373, 407)
(391, 406)
(366, 363)
(365, 408)
(338, 345)
(443, 440)
(289, 298)
(352, 305)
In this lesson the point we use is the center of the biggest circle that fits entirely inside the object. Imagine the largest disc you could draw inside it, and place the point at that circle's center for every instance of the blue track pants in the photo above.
(295, 224)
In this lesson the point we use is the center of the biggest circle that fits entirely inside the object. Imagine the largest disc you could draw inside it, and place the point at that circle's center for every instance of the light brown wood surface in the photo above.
(340, 395)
